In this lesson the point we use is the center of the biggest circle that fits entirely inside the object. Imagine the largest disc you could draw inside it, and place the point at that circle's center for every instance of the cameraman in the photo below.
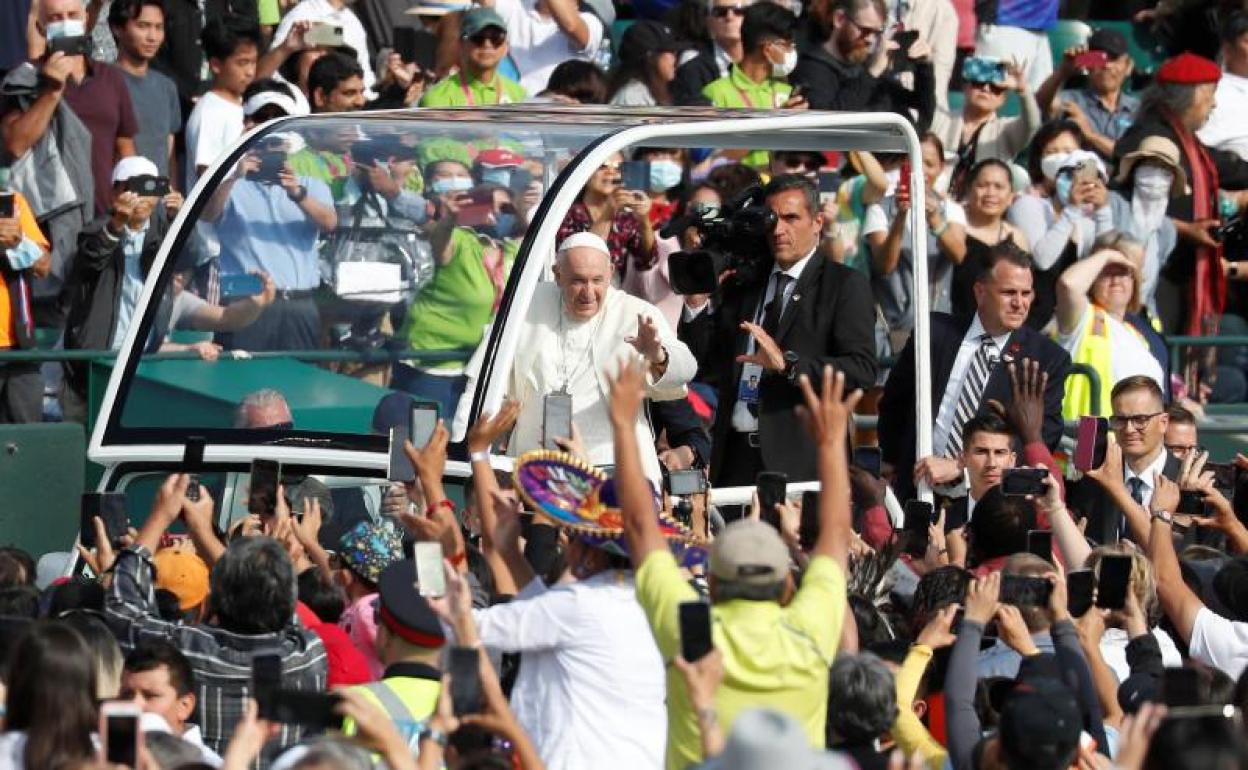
(268, 220)
(803, 312)
(114, 254)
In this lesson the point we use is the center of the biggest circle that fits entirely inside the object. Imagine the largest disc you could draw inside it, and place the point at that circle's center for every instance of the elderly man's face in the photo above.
(60, 10)
(583, 275)
(271, 415)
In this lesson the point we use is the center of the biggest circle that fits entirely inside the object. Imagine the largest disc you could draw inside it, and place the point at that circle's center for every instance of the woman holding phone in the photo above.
(619, 216)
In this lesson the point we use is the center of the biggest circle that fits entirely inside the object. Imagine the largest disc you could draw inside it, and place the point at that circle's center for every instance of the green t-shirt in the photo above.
(773, 656)
(269, 12)
(456, 91)
(451, 311)
(736, 91)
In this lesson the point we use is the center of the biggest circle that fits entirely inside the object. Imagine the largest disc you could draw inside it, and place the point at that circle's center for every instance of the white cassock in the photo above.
(556, 349)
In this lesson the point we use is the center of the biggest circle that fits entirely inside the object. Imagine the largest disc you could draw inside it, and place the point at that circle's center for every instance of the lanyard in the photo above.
(498, 90)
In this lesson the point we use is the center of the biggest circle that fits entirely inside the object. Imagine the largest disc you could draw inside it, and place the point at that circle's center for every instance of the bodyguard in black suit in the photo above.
(824, 317)
(1004, 293)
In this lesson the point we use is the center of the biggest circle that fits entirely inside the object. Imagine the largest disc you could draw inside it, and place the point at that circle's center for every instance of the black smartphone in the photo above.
(1112, 582)
(192, 488)
(1019, 482)
(1224, 474)
(1040, 543)
(808, 530)
(1191, 503)
(72, 45)
(399, 468)
(466, 681)
(316, 711)
(1025, 590)
(422, 421)
(556, 418)
(120, 732)
(635, 175)
(905, 39)
(266, 680)
(829, 183)
(1180, 687)
(8, 205)
(686, 483)
(919, 515)
(148, 186)
(521, 178)
(695, 630)
(271, 163)
(416, 46)
(262, 487)
(772, 488)
(109, 506)
(1080, 587)
(868, 458)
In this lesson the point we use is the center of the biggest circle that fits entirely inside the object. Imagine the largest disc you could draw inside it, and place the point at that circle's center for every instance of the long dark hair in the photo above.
(641, 67)
(52, 685)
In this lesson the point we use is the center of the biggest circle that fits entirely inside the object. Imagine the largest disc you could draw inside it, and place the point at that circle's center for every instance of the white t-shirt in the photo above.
(1131, 354)
(353, 33)
(538, 45)
(1219, 642)
(1114, 651)
(215, 124)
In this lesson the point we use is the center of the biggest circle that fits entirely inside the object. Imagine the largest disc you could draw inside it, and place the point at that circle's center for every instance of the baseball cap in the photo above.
(132, 166)
(499, 157)
(1040, 725)
(749, 552)
(183, 574)
(437, 7)
(371, 546)
(647, 37)
(478, 19)
(404, 611)
(1111, 41)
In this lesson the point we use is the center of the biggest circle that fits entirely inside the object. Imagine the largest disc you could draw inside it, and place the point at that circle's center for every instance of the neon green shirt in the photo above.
(457, 91)
(269, 12)
(451, 311)
(736, 91)
(774, 657)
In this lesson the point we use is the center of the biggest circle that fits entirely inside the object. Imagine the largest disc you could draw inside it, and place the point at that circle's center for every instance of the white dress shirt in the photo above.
(742, 420)
(353, 33)
(1156, 466)
(953, 388)
(1227, 127)
(1219, 642)
(592, 689)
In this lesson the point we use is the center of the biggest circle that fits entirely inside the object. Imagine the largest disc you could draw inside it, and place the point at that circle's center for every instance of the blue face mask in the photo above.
(504, 226)
(664, 175)
(1062, 185)
(451, 184)
(24, 254)
(498, 176)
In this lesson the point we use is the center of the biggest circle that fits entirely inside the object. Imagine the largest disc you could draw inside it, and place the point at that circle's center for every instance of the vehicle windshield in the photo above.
(335, 261)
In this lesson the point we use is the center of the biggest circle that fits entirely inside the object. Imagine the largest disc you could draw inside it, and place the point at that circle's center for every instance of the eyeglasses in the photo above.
(1137, 421)
(865, 31)
(724, 11)
(1181, 450)
(491, 35)
(995, 89)
(612, 166)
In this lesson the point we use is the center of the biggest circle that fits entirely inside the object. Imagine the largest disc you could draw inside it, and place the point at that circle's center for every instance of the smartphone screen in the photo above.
(1180, 687)
(695, 630)
(316, 711)
(8, 205)
(266, 679)
(241, 285)
(808, 531)
(1112, 581)
(1080, 586)
(422, 422)
(430, 578)
(465, 681)
(772, 488)
(109, 506)
(1191, 503)
(556, 418)
(1025, 590)
(1018, 482)
(686, 483)
(262, 488)
(1091, 60)
(1040, 543)
(120, 732)
(868, 458)
(399, 468)
(635, 175)
(1090, 443)
(192, 488)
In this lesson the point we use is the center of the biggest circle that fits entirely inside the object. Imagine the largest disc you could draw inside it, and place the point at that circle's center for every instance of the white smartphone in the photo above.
(120, 732)
(430, 577)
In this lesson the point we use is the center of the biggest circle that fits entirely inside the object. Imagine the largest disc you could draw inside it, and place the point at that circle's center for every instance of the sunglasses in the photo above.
(865, 31)
(724, 11)
(494, 37)
(995, 89)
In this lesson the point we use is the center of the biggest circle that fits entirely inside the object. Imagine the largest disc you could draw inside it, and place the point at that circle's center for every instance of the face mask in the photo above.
(1051, 164)
(503, 227)
(1152, 183)
(1063, 185)
(664, 175)
(782, 68)
(498, 176)
(66, 28)
(451, 184)
(24, 254)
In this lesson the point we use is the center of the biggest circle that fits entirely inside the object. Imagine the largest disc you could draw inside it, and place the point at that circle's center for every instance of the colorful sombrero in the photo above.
(581, 499)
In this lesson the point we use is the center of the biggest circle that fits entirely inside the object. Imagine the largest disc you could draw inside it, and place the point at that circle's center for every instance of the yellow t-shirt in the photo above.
(774, 657)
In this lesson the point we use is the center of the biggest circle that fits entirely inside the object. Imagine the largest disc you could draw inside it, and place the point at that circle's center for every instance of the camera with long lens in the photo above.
(734, 238)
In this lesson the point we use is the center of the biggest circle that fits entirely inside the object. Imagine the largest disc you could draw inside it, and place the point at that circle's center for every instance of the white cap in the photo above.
(52, 565)
(265, 98)
(586, 240)
(135, 165)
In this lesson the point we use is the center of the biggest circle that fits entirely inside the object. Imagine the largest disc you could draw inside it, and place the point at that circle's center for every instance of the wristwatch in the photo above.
(790, 365)
(1165, 517)
(299, 194)
(437, 736)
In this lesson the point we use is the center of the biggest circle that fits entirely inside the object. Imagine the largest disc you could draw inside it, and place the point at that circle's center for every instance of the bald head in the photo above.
(583, 274)
(60, 10)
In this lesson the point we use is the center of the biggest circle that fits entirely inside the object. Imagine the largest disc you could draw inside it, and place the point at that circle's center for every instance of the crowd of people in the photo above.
(1063, 605)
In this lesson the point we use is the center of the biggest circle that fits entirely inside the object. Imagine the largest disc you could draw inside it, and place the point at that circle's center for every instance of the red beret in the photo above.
(1188, 69)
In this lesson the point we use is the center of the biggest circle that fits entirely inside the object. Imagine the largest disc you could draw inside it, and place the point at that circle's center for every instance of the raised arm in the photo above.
(641, 526)
(481, 437)
(827, 418)
(1074, 283)
(1178, 601)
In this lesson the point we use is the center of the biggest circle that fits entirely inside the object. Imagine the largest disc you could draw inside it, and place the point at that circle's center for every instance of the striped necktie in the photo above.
(972, 392)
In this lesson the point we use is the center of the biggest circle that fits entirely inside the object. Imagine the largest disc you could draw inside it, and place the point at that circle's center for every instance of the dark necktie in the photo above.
(774, 308)
(972, 392)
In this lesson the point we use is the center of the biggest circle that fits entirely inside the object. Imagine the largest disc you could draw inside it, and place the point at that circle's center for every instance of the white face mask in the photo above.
(66, 28)
(785, 66)
(1152, 183)
(1051, 164)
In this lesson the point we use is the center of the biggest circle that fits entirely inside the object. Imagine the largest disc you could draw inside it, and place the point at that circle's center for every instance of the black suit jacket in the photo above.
(1105, 518)
(897, 407)
(828, 320)
(692, 77)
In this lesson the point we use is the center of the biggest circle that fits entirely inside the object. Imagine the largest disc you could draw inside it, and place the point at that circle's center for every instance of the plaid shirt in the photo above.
(220, 659)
